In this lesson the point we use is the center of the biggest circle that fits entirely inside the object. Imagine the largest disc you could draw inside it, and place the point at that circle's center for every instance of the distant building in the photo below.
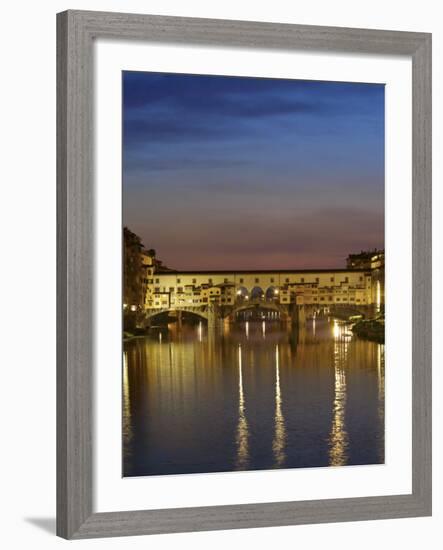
(370, 259)
(138, 269)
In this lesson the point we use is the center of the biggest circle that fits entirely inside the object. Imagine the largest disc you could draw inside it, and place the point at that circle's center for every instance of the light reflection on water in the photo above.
(242, 430)
(338, 454)
(251, 396)
(278, 445)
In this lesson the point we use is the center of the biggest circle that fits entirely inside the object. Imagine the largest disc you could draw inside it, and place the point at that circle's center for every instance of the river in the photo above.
(251, 396)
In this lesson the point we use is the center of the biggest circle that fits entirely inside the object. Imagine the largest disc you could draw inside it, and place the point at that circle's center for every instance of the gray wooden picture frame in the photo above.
(76, 32)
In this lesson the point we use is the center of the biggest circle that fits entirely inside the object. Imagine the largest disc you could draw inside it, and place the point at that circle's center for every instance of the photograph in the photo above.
(253, 273)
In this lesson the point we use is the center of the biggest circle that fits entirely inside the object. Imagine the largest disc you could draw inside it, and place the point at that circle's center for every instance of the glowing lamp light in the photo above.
(133, 308)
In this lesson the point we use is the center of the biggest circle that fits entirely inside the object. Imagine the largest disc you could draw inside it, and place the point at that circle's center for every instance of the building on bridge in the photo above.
(287, 292)
(370, 259)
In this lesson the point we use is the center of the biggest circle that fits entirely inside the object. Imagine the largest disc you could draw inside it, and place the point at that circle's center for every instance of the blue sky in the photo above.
(252, 173)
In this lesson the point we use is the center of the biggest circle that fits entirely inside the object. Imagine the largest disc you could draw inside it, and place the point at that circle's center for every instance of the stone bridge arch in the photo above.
(198, 311)
(260, 304)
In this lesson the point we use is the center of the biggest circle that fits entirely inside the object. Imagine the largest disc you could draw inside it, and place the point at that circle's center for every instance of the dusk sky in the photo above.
(252, 173)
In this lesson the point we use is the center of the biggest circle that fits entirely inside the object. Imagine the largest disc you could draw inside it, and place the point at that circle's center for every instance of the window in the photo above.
(241, 280)
(287, 280)
(157, 280)
(332, 279)
(171, 289)
(361, 279)
(210, 281)
(225, 280)
(346, 279)
(317, 280)
(180, 289)
(157, 289)
(257, 280)
(272, 279)
(194, 281)
(178, 281)
(302, 279)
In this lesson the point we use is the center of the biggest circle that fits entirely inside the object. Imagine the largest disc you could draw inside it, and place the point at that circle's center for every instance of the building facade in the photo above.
(227, 288)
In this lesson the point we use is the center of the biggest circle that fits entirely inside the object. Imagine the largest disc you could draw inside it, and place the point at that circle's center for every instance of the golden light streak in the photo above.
(336, 329)
(381, 391)
(127, 421)
(279, 442)
(338, 438)
(242, 427)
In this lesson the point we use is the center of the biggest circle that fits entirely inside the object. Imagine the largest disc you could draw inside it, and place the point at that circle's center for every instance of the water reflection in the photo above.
(339, 437)
(127, 424)
(242, 430)
(381, 395)
(251, 396)
(278, 445)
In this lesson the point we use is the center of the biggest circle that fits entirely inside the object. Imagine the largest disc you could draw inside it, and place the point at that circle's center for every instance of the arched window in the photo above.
(257, 293)
(271, 294)
(242, 293)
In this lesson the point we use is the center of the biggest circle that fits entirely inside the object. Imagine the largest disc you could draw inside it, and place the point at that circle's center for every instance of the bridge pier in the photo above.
(301, 315)
(179, 319)
(212, 317)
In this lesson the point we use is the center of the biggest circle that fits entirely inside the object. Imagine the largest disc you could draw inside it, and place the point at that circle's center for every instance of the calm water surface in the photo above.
(251, 396)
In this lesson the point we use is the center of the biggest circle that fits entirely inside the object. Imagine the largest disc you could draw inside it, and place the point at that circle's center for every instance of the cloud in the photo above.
(224, 172)
(171, 108)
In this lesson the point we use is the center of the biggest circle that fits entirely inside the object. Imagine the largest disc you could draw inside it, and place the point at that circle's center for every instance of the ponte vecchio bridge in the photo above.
(289, 295)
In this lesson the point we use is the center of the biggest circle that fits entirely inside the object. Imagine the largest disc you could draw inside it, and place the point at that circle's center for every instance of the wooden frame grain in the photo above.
(76, 32)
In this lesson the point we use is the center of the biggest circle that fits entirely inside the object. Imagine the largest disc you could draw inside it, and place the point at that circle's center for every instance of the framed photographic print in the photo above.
(244, 280)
